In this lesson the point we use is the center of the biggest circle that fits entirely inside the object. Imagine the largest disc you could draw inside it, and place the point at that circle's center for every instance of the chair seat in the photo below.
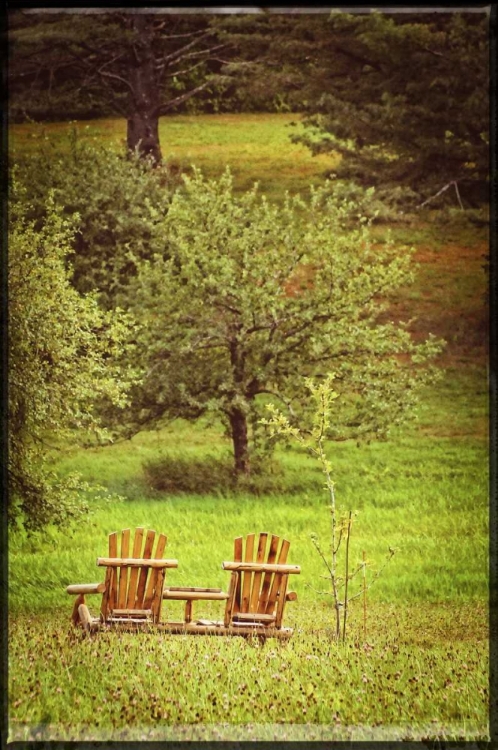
(127, 613)
(253, 617)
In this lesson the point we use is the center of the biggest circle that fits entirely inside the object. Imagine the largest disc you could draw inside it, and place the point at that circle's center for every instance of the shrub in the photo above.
(174, 474)
(61, 350)
(118, 203)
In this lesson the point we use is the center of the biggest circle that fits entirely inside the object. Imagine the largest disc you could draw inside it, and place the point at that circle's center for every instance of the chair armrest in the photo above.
(291, 596)
(185, 593)
(136, 562)
(86, 588)
(261, 567)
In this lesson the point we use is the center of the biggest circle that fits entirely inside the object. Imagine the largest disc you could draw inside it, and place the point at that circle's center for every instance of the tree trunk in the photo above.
(238, 425)
(144, 103)
(143, 134)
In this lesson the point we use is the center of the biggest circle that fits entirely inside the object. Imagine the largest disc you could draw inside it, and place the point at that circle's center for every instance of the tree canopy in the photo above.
(137, 65)
(247, 298)
(404, 98)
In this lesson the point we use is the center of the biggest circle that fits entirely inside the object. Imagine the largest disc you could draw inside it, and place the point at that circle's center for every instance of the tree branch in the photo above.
(203, 52)
(358, 58)
(281, 398)
(180, 99)
(179, 72)
(180, 53)
(114, 76)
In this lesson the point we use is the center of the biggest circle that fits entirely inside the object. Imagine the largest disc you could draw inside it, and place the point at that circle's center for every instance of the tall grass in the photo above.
(407, 682)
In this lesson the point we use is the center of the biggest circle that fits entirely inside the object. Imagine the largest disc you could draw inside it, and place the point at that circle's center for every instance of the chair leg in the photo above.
(85, 617)
(75, 617)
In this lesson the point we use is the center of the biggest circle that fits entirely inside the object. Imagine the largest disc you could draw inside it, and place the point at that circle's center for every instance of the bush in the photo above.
(175, 474)
(118, 203)
(61, 351)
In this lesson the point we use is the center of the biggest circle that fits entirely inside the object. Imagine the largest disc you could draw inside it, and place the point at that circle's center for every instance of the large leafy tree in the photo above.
(246, 298)
(141, 65)
(61, 347)
(404, 98)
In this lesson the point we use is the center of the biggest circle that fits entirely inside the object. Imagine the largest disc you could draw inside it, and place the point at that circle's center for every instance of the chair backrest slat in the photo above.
(237, 557)
(256, 582)
(247, 577)
(156, 578)
(123, 574)
(265, 589)
(132, 585)
(142, 579)
(109, 596)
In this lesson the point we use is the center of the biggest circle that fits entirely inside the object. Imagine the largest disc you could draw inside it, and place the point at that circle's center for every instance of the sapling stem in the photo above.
(347, 579)
(364, 597)
(313, 440)
(320, 453)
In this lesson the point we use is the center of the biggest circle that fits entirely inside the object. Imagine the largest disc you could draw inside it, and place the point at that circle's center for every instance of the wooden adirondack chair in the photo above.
(257, 593)
(132, 593)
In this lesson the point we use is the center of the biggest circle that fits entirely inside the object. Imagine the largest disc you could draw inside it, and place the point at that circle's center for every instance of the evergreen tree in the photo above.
(404, 98)
(141, 66)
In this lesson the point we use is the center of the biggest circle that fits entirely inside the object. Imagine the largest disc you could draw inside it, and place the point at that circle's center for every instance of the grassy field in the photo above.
(417, 668)
(255, 147)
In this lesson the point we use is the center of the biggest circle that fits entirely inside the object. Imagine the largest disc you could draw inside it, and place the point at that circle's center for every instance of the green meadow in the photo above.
(415, 663)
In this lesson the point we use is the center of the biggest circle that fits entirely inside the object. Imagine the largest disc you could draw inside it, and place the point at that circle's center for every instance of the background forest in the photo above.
(207, 214)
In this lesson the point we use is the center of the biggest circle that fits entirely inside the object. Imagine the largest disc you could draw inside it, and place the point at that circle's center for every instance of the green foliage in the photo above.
(382, 205)
(248, 297)
(175, 473)
(403, 97)
(405, 100)
(117, 204)
(80, 65)
(260, 77)
(61, 353)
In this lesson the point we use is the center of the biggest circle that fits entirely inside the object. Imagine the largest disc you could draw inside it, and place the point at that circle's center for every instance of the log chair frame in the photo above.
(256, 597)
(132, 593)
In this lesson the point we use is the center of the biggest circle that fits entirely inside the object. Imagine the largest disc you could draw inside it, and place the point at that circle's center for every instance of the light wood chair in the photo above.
(257, 593)
(132, 592)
